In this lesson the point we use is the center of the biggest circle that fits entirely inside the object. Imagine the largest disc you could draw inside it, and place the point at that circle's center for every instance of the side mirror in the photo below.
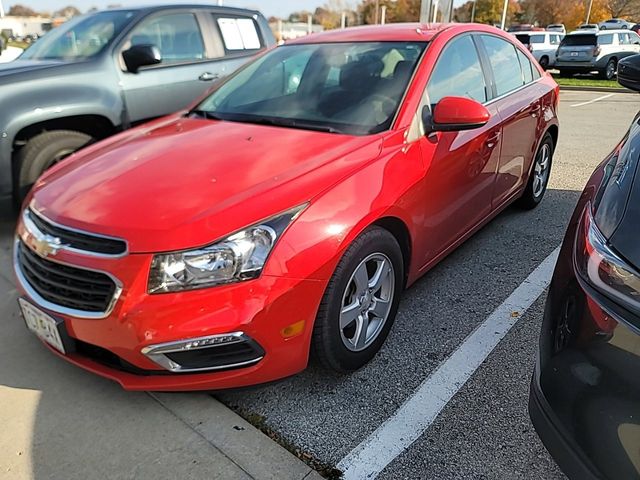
(141, 56)
(454, 114)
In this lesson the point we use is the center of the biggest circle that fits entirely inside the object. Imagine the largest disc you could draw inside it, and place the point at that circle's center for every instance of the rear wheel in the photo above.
(609, 71)
(539, 178)
(360, 302)
(544, 62)
(42, 152)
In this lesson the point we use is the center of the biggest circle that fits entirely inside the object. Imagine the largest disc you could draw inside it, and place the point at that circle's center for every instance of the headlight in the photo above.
(240, 256)
(603, 268)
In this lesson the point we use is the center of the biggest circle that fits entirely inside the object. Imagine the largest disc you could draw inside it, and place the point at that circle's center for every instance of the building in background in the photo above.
(289, 30)
(23, 26)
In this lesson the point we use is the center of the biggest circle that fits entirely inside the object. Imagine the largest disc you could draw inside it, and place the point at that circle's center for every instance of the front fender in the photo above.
(315, 242)
(31, 102)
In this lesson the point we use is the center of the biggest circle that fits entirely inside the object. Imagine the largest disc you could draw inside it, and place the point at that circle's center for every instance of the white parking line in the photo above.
(398, 432)
(594, 100)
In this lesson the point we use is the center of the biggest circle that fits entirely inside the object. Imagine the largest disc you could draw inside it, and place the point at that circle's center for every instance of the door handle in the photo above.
(208, 76)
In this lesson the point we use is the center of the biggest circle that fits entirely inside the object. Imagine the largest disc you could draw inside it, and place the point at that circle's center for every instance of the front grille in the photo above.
(78, 240)
(66, 286)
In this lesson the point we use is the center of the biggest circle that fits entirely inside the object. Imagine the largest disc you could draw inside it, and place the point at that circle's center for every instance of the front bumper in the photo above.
(274, 315)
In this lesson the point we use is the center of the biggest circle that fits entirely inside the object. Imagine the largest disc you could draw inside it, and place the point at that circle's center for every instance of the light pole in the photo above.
(473, 11)
(377, 8)
(504, 14)
(1, 10)
(589, 11)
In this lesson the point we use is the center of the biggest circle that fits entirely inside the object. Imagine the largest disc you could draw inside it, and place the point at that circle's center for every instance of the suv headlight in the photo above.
(603, 268)
(240, 256)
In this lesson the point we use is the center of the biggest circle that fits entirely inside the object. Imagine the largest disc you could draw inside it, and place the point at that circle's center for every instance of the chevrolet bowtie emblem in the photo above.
(45, 245)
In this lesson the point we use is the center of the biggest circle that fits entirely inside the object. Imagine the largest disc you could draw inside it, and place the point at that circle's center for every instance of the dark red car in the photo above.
(285, 213)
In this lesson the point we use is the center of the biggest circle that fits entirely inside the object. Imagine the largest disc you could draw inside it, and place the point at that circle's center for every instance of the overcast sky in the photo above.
(278, 8)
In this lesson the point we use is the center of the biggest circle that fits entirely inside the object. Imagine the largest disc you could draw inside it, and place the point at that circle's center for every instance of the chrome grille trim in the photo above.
(53, 307)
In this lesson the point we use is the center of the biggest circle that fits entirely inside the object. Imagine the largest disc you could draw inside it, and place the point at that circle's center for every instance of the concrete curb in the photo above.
(246, 446)
(572, 88)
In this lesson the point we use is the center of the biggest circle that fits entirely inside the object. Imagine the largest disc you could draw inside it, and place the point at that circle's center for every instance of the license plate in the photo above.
(575, 54)
(44, 326)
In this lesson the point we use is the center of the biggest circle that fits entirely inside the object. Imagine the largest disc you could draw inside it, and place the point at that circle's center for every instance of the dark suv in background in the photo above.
(102, 73)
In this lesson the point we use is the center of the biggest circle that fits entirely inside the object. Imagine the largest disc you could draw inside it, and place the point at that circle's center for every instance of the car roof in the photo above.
(534, 32)
(394, 32)
(598, 32)
(165, 6)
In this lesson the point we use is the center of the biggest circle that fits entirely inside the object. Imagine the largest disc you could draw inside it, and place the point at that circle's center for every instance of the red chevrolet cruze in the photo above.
(286, 212)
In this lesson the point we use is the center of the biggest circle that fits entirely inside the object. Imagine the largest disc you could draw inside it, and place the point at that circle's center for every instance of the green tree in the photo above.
(21, 11)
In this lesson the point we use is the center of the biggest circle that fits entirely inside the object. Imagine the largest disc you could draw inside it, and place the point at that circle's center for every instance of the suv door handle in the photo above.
(208, 76)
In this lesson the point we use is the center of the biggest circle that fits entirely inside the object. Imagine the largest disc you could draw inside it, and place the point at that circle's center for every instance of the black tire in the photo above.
(42, 152)
(609, 71)
(327, 345)
(531, 199)
(544, 62)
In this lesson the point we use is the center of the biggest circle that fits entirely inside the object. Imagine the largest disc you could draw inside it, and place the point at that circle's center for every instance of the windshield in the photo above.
(578, 40)
(352, 88)
(80, 38)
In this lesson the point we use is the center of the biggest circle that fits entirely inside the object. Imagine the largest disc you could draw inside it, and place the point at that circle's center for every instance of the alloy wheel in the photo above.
(541, 170)
(366, 302)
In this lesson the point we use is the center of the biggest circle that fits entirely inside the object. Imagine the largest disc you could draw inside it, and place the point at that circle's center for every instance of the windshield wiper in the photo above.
(290, 123)
(204, 114)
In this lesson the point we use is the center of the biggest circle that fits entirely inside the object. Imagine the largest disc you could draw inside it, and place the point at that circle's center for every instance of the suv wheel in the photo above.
(544, 62)
(42, 152)
(360, 302)
(609, 71)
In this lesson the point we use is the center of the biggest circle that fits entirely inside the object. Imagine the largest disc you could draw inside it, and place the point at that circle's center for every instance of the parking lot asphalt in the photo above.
(483, 432)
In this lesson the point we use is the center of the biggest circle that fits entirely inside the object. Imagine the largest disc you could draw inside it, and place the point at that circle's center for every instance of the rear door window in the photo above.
(605, 39)
(527, 67)
(504, 63)
(458, 73)
(537, 38)
(239, 34)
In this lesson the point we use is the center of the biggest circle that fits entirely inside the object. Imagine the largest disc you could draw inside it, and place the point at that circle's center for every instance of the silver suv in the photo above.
(586, 52)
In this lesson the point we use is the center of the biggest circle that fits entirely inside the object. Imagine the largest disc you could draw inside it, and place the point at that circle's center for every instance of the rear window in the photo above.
(605, 39)
(578, 40)
(523, 39)
(239, 34)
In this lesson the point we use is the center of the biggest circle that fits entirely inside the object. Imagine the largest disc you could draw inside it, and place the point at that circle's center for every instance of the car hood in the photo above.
(182, 182)
(23, 67)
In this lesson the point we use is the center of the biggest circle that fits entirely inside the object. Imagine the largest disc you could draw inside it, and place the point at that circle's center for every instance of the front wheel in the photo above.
(360, 303)
(42, 152)
(539, 178)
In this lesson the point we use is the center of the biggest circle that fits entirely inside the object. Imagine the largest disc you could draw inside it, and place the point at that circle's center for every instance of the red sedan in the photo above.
(285, 213)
